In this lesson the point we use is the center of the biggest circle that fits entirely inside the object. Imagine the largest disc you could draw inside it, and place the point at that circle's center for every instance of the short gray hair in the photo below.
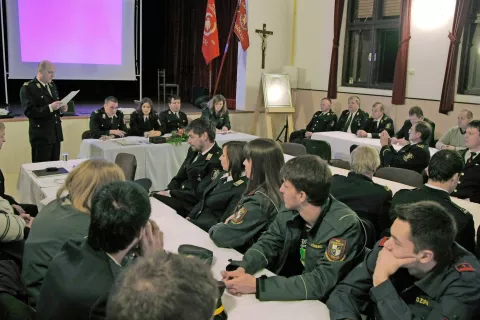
(365, 160)
(42, 66)
(356, 99)
(469, 113)
(382, 106)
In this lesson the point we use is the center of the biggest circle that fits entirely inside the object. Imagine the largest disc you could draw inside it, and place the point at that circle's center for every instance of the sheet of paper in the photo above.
(69, 97)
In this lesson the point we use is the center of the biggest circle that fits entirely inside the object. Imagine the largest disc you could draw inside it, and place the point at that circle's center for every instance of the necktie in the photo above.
(48, 89)
(375, 126)
(145, 118)
(347, 125)
(472, 154)
(176, 113)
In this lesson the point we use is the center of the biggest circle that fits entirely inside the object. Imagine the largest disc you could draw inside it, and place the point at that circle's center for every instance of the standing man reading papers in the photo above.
(39, 98)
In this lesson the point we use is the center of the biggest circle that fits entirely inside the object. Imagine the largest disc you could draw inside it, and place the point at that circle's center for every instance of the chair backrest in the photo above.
(86, 135)
(371, 234)
(293, 149)
(318, 147)
(340, 164)
(145, 183)
(128, 163)
(400, 175)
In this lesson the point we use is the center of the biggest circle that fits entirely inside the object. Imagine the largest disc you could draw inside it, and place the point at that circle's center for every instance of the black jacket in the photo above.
(386, 123)
(218, 122)
(412, 156)
(45, 127)
(193, 177)
(170, 122)
(464, 219)
(218, 202)
(138, 126)
(469, 182)
(357, 122)
(101, 124)
(369, 200)
(403, 132)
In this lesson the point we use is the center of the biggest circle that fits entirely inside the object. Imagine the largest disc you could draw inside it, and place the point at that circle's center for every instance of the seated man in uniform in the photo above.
(454, 138)
(173, 119)
(352, 119)
(369, 200)
(443, 173)
(418, 273)
(415, 114)
(108, 121)
(469, 182)
(312, 244)
(377, 123)
(414, 156)
(323, 120)
(201, 166)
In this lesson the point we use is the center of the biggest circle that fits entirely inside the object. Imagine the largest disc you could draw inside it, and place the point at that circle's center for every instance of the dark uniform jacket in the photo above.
(218, 121)
(464, 219)
(193, 177)
(320, 122)
(449, 291)
(412, 157)
(101, 124)
(253, 215)
(332, 248)
(403, 132)
(45, 127)
(357, 122)
(170, 122)
(218, 202)
(138, 125)
(369, 200)
(375, 128)
(468, 186)
(77, 284)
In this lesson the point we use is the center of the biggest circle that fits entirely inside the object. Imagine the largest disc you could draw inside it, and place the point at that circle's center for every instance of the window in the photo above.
(371, 43)
(469, 79)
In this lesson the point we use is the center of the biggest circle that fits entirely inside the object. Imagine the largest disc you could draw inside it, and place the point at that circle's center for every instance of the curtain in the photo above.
(400, 76)
(448, 90)
(337, 26)
(182, 57)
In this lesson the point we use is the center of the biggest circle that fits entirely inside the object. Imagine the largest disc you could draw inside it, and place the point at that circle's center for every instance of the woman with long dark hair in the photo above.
(145, 121)
(261, 200)
(223, 194)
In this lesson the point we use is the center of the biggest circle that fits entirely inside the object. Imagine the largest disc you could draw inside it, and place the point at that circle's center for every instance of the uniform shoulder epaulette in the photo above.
(464, 267)
(465, 211)
(96, 111)
(26, 83)
(238, 182)
(420, 145)
(386, 188)
(382, 242)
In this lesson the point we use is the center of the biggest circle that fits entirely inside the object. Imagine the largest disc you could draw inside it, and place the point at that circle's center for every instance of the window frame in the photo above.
(373, 25)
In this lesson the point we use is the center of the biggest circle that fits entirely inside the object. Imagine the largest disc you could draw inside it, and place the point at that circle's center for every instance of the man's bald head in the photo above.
(45, 71)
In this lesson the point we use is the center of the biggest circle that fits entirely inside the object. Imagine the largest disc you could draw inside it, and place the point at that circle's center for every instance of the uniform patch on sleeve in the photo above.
(215, 173)
(239, 216)
(336, 250)
(382, 242)
(464, 267)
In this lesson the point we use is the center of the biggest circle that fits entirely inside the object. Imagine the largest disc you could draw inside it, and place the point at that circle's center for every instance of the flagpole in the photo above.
(226, 46)
(210, 78)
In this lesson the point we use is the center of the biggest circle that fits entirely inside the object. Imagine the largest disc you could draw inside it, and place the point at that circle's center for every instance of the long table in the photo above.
(158, 162)
(340, 143)
(179, 231)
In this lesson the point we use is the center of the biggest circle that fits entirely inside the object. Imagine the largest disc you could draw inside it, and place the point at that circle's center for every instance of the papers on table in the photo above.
(69, 97)
(127, 142)
(225, 132)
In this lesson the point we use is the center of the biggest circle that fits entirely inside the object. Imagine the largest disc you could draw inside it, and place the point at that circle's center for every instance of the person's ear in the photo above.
(425, 256)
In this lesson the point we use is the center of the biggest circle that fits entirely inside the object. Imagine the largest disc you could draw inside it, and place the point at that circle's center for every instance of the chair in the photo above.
(400, 175)
(318, 147)
(128, 163)
(86, 135)
(293, 149)
(340, 164)
(162, 86)
(145, 183)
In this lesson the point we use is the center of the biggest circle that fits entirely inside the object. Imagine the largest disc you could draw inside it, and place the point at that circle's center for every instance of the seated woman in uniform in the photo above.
(223, 194)
(217, 113)
(145, 122)
(65, 218)
(261, 200)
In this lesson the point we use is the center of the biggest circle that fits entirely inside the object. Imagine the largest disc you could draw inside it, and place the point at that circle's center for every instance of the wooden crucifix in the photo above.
(264, 34)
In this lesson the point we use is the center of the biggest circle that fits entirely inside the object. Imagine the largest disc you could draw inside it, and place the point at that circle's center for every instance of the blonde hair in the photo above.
(365, 160)
(218, 98)
(84, 180)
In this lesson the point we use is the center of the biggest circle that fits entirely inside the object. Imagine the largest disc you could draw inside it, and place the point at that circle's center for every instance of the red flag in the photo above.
(241, 28)
(210, 47)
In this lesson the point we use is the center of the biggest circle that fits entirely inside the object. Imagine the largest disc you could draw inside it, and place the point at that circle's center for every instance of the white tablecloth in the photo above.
(179, 231)
(158, 162)
(340, 143)
(32, 189)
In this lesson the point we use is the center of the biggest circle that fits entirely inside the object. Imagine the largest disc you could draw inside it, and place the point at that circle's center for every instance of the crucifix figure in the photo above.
(264, 34)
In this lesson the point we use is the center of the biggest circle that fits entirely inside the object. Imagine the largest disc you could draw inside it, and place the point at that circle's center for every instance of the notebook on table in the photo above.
(49, 172)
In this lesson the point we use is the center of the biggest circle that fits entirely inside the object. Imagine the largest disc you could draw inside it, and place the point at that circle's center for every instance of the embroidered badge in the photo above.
(422, 301)
(407, 157)
(388, 125)
(420, 145)
(464, 267)
(336, 250)
(239, 216)
(237, 183)
(316, 246)
(39, 86)
(215, 173)
(209, 156)
(382, 242)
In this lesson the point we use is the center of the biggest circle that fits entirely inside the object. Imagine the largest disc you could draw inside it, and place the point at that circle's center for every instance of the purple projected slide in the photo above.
(66, 31)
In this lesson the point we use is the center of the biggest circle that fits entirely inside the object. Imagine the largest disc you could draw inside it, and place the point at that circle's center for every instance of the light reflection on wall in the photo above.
(432, 14)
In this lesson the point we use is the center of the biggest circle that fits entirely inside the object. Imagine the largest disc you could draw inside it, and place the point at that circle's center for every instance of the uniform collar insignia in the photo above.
(209, 156)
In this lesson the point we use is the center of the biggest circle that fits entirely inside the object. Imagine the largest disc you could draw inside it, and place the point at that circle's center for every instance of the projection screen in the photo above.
(85, 39)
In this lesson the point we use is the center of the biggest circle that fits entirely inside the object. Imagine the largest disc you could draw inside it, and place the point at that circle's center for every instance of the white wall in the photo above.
(277, 15)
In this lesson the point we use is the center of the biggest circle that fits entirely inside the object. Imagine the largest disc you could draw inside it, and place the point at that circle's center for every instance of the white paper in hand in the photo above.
(69, 97)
